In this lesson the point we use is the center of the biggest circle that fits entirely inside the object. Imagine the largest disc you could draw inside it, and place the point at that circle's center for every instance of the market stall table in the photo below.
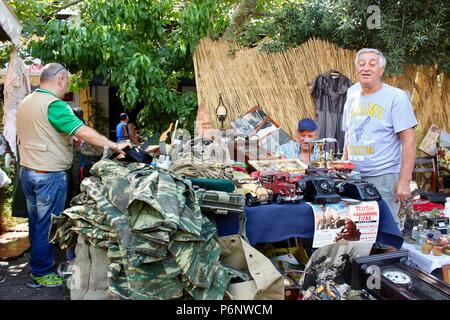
(426, 262)
(273, 223)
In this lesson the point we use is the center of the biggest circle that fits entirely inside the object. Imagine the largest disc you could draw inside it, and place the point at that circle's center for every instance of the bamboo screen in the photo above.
(281, 82)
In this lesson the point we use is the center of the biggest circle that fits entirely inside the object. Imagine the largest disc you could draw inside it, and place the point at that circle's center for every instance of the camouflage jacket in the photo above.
(159, 245)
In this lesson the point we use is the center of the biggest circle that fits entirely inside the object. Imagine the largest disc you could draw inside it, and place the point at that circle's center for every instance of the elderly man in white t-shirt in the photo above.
(379, 123)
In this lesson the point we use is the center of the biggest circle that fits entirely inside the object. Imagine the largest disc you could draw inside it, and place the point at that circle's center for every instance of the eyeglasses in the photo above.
(62, 68)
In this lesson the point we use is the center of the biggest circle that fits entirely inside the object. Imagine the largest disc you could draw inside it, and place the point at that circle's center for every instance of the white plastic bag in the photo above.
(4, 179)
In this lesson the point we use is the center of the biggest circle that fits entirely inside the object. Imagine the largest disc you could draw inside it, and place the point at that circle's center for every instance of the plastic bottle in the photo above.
(415, 233)
(447, 207)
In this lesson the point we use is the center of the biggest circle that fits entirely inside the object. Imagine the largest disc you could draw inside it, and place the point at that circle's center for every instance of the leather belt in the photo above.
(39, 171)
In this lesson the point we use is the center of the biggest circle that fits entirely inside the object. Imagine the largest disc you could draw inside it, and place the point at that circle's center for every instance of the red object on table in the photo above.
(239, 169)
(255, 174)
(426, 206)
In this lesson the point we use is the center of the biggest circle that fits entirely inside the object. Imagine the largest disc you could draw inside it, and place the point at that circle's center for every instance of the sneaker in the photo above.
(50, 280)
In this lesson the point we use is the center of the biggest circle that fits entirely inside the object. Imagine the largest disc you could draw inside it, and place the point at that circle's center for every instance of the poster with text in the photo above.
(339, 221)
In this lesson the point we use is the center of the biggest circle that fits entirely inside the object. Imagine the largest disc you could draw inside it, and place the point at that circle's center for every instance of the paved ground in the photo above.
(13, 279)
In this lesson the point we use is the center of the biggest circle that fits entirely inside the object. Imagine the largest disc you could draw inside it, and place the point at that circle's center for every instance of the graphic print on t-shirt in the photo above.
(372, 124)
(360, 130)
(360, 143)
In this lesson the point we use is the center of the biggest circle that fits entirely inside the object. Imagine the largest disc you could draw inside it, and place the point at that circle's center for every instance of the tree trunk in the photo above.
(241, 15)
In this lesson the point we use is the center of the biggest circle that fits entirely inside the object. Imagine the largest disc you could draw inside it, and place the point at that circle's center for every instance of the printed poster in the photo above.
(428, 144)
(340, 221)
(256, 123)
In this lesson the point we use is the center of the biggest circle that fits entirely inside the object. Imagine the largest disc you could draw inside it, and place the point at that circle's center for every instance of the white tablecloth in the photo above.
(426, 262)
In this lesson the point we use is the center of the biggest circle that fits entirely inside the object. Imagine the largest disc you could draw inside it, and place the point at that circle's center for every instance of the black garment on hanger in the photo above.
(330, 93)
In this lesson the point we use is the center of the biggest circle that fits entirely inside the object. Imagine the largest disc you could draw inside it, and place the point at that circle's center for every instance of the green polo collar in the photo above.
(45, 91)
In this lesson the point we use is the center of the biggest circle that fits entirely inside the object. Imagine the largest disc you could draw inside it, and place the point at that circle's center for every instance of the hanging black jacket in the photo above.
(330, 94)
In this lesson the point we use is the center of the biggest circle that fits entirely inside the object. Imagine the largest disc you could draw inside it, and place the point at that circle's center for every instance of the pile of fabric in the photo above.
(201, 169)
(158, 243)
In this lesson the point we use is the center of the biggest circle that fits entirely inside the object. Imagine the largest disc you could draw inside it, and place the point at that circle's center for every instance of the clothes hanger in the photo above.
(334, 74)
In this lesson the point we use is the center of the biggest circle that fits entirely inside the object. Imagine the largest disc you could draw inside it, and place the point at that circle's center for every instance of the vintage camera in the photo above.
(318, 190)
(358, 189)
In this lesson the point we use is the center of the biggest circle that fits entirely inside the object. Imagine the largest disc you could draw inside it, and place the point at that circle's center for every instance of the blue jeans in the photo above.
(46, 194)
(386, 185)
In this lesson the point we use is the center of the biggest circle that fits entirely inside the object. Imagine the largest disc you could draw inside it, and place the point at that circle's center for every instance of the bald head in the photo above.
(51, 72)
(55, 78)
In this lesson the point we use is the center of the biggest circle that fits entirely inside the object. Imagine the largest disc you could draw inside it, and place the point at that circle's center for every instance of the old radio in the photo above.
(358, 189)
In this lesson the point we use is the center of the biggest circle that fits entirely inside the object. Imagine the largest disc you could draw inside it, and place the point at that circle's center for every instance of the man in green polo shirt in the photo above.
(45, 125)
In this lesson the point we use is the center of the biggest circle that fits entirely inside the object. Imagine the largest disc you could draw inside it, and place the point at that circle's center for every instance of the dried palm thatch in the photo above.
(281, 82)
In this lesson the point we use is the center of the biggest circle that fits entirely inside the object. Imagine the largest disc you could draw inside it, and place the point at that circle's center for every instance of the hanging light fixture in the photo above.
(221, 111)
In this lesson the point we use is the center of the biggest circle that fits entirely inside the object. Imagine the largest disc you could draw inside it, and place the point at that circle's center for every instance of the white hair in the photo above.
(381, 60)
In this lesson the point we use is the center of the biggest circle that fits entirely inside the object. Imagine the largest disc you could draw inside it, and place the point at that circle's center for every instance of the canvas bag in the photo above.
(91, 264)
(266, 284)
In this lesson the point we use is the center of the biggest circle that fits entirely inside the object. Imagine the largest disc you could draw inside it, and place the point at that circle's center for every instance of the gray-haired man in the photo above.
(379, 123)
(45, 125)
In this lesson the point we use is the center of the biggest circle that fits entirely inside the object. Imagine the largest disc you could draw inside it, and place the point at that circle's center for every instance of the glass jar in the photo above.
(437, 251)
(426, 248)
(443, 241)
(446, 250)
(420, 240)
(427, 245)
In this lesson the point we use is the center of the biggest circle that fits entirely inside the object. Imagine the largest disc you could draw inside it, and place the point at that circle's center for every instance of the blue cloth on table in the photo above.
(226, 224)
(278, 222)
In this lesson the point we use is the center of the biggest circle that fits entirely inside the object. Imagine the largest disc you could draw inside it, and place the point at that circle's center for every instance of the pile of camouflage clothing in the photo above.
(158, 243)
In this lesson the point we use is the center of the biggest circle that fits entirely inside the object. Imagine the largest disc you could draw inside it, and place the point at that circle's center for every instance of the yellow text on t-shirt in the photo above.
(368, 109)
(362, 150)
